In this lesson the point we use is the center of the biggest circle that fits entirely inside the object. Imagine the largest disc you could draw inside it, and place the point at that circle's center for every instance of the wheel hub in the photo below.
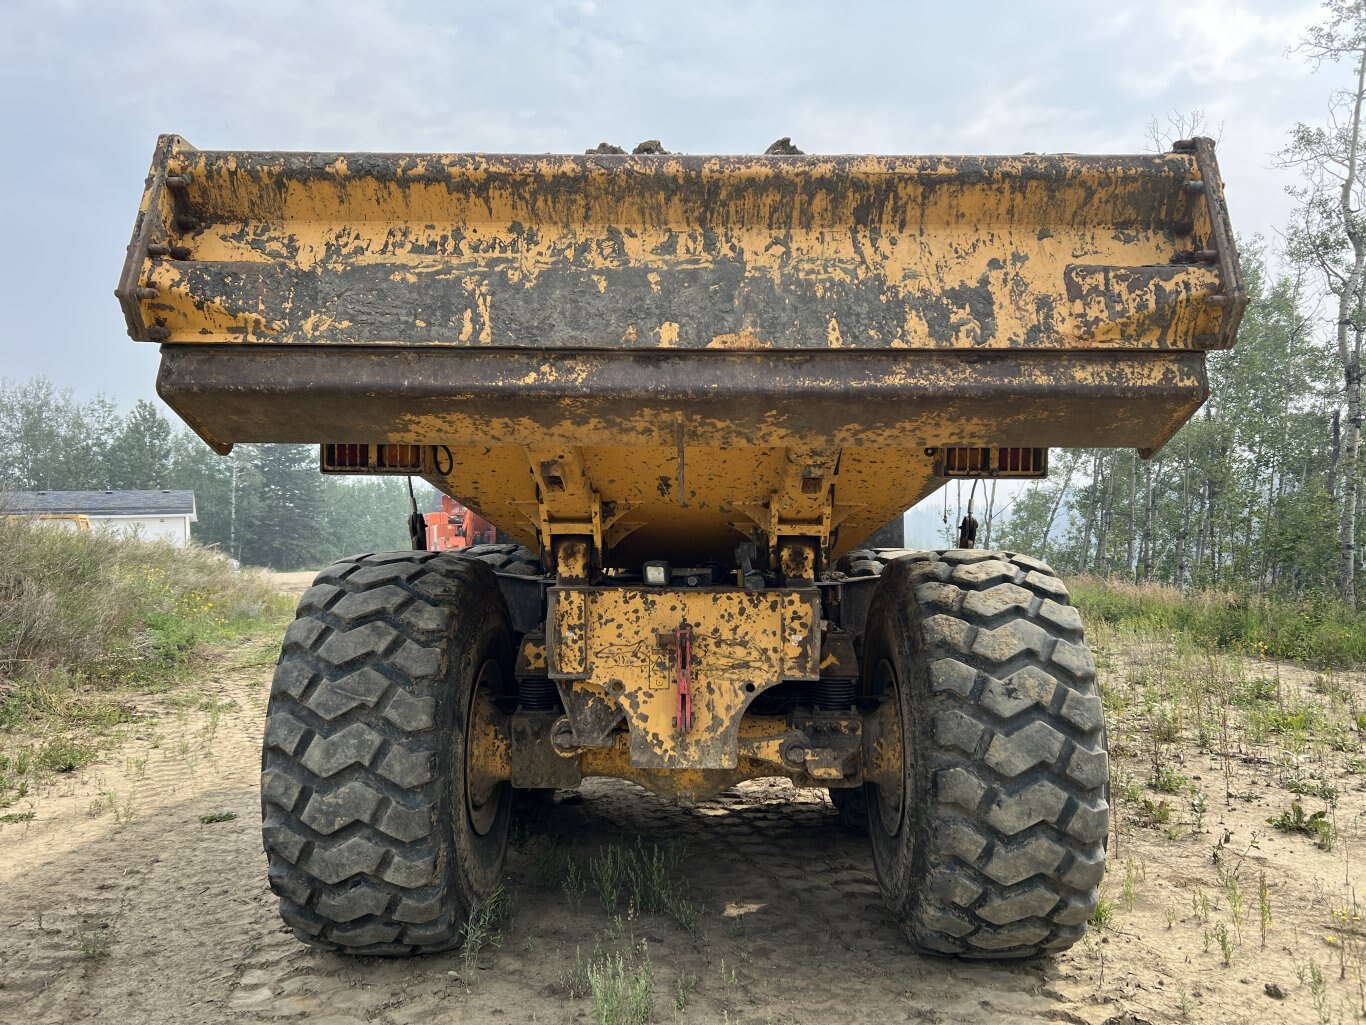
(486, 753)
(885, 751)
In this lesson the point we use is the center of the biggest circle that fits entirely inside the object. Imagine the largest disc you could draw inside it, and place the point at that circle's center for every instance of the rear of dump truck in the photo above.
(688, 388)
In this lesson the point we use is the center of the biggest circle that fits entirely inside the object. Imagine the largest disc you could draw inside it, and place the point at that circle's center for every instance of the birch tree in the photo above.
(1332, 238)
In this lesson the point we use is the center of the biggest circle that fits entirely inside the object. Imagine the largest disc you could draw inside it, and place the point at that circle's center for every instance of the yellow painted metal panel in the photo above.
(671, 356)
(743, 642)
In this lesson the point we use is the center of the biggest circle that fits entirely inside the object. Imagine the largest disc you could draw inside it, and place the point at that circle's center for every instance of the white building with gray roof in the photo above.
(153, 515)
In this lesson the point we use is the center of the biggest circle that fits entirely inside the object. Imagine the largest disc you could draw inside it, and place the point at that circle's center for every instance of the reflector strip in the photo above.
(993, 462)
(356, 457)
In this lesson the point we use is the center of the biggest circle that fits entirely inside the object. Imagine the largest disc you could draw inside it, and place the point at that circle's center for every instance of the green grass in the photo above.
(1316, 825)
(646, 880)
(574, 979)
(61, 755)
(484, 928)
(1167, 781)
(94, 934)
(623, 993)
(88, 621)
(1315, 630)
(1104, 912)
(103, 607)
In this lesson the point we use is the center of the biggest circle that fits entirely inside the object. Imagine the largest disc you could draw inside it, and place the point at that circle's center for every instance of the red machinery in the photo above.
(454, 526)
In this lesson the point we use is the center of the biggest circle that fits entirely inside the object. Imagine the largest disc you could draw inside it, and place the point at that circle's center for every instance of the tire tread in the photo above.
(350, 795)
(1018, 760)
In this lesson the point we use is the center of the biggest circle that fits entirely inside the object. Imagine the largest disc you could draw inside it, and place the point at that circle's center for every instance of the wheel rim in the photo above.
(483, 790)
(889, 784)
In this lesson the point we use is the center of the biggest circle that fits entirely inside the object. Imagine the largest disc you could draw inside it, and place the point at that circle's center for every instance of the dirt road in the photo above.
(132, 896)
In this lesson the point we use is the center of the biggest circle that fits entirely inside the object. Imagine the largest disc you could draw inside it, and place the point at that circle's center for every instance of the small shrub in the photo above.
(1168, 781)
(1321, 789)
(1294, 820)
(646, 879)
(1257, 690)
(484, 928)
(554, 863)
(1154, 814)
(61, 755)
(1264, 906)
(1200, 904)
(93, 935)
(622, 995)
(94, 944)
(683, 987)
(574, 979)
(574, 884)
(1198, 809)
(1284, 721)
(1128, 893)
(1225, 943)
(1104, 912)
(1312, 976)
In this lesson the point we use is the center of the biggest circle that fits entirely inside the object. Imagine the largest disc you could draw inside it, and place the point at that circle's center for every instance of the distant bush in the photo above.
(1317, 631)
(94, 607)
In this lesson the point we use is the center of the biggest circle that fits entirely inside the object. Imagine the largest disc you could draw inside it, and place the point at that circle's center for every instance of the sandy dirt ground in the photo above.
(132, 896)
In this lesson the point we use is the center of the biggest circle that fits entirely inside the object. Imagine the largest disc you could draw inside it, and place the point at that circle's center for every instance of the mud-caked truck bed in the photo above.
(685, 389)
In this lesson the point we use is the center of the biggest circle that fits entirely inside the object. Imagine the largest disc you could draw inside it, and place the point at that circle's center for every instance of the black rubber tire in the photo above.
(852, 805)
(869, 562)
(997, 849)
(506, 558)
(370, 842)
(851, 802)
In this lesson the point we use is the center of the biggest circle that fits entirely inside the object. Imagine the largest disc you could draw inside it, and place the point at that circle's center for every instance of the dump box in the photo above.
(689, 387)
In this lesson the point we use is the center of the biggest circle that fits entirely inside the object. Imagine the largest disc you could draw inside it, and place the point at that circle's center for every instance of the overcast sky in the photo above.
(90, 83)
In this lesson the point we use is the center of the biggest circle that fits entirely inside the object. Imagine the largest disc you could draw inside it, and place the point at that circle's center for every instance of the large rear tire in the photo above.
(379, 841)
(991, 841)
(507, 558)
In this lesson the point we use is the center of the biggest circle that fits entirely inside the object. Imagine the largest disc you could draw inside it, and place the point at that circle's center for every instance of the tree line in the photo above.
(1260, 489)
(1247, 494)
(265, 505)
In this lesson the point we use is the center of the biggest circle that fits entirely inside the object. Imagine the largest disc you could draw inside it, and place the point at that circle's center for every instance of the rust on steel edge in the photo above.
(686, 389)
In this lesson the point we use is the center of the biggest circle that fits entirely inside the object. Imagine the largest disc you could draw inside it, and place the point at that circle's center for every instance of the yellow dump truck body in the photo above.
(672, 355)
(689, 385)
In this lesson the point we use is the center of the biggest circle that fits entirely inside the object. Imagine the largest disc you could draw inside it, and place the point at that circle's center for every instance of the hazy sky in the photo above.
(89, 85)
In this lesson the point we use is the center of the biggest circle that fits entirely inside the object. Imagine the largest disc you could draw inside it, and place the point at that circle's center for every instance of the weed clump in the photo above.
(1316, 825)
(645, 879)
(623, 994)
(484, 928)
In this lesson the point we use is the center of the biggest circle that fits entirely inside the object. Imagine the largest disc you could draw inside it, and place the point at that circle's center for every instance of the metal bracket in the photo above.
(681, 642)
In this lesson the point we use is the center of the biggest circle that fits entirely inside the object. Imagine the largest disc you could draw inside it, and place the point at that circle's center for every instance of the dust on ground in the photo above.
(137, 893)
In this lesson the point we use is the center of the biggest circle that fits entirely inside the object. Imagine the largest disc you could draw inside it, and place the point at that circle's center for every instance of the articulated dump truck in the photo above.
(689, 388)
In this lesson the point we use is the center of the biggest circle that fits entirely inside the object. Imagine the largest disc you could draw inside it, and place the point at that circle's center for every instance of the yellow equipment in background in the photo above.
(74, 522)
